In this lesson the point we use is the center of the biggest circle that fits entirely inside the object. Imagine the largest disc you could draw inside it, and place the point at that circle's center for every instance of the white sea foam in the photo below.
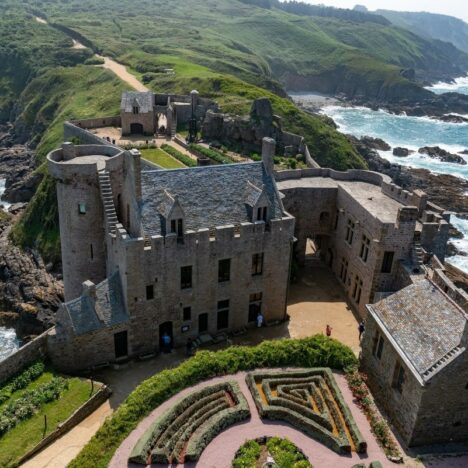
(459, 85)
(460, 261)
(8, 342)
(3, 203)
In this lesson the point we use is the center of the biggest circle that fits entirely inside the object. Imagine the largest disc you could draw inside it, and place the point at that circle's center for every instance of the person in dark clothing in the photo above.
(167, 343)
(361, 328)
(328, 330)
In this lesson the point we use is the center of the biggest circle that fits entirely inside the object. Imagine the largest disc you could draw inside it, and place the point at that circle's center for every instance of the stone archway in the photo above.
(136, 129)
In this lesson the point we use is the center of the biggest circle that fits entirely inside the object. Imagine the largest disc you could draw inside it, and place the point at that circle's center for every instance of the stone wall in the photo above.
(24, 356)
(459, 296)
(70, 130)
(146, 119)
(402, 408)
(99, 122)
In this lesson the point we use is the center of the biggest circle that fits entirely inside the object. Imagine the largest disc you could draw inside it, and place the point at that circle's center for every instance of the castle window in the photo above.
(186, 277)
(223, 315)
(324, 217)
(337, 218)
(255, 306)
(364, 254)
(377, 346)
(136, 110)
(344, 269)
(262, 213)
(149, 292)
(91, 251)
(398, 377)
(387, 262)
(257, 264)
(224, 270)
(81, 208)
(187, 314)
(350, 232)
(357, 291)
(177, 227)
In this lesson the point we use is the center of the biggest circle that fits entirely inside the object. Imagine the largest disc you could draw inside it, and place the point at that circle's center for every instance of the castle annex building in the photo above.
(189, 252)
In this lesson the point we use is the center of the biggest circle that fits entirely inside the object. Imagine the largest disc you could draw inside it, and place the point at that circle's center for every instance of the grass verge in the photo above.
(161, 158)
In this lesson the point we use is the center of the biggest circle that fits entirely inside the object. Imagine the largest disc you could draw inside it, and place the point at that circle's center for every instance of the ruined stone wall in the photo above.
(159, 265)
(401, 408)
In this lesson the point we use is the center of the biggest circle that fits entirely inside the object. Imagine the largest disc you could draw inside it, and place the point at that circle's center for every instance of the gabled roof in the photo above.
(143, 100)
(209, 196)
(253, 195)
(424, 325)
(108, 309)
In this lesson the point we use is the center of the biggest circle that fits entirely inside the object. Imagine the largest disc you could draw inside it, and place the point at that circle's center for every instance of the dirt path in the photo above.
(220, 452)
(115, 67)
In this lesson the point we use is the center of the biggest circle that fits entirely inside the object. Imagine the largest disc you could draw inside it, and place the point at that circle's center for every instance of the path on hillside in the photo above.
(109, 64)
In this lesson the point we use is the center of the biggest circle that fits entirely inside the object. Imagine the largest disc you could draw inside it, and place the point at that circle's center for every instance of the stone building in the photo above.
(148, 252)
(414, 353)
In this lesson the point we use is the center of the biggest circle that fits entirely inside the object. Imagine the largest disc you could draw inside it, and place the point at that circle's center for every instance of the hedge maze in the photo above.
(182, 433)
(309, 400)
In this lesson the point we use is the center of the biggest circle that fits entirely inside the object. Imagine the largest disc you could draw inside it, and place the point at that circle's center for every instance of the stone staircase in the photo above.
(173, 128)
(417, 255)
(107, 201)
(442, 362)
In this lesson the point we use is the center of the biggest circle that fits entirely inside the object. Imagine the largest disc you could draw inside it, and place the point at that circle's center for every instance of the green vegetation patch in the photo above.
(211, 154)
(161, 158)
(51, 395)
(316, 351)
(183, 158)
(283, 451)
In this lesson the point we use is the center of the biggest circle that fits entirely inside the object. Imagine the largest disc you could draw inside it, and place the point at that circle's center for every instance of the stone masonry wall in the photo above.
(85, 137)
(27, 354)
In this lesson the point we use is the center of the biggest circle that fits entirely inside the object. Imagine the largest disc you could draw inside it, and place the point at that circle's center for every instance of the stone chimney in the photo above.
(89, 290)
(268, 153)
(68, 151)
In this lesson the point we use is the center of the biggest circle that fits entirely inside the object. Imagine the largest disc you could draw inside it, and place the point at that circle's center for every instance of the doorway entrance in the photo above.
(165, 327)
(136, 129)
(121, 344)
(202, 323)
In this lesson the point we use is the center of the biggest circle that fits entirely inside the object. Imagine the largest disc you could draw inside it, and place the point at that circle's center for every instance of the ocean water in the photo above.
(8, 342)
(413, 133)
(460, 85)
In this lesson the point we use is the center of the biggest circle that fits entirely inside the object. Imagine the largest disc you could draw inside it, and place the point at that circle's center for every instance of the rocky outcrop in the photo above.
(402, 152)
(451, 118)
(436, 152)
(29, 294)
(375, 143)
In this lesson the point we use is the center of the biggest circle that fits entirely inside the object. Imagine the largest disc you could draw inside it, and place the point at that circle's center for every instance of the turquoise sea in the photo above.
(414, 133)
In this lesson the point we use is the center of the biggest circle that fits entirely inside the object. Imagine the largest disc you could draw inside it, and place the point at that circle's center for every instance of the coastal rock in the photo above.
(402, 152)
(436, 152)
(463, 152)
(376, 143)
(451, 118)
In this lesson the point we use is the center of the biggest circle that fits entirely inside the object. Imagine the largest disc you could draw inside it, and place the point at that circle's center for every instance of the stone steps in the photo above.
(108, 201)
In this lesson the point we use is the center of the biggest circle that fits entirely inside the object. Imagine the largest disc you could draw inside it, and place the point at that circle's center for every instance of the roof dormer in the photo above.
(173, 215)
(257, 202)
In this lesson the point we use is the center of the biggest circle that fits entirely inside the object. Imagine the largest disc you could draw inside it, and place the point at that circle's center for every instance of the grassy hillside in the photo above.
(430, 25)
(262, 45)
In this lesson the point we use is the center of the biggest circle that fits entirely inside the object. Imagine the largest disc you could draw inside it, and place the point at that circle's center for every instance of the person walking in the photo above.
(189, 347)
(328, 330)
(167, 342)
(361, 328)
(260, 320)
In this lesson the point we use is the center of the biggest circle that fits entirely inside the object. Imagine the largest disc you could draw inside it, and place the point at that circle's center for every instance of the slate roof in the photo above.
(425, 324)
(108, 311)
(144, 100)
(210, 196)
(252, 194)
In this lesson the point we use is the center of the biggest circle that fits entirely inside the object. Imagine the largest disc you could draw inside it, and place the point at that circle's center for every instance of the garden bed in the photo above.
(161, 158)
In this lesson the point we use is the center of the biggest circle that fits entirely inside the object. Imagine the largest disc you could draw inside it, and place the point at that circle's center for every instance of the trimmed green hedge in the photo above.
(317, 351)
(212, 154)
(21, 380)
(183, 158)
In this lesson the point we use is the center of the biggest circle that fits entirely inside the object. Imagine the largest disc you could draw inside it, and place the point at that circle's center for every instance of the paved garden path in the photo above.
(221, 450)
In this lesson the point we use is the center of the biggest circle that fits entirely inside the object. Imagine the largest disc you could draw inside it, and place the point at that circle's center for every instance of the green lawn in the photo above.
(22, 438)
(161, 158)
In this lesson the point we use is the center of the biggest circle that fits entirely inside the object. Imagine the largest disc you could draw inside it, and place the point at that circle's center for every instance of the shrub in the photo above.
(286, 454)
(29, 402)
(247, 455)
(212, 154)
(21, 380)
(184, 159)
(316, 351)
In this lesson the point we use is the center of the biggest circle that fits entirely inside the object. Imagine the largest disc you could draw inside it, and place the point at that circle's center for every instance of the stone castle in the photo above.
(203, 250)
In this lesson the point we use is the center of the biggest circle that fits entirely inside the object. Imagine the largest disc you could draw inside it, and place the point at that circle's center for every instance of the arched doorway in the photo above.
(161, 124)
(136, 129)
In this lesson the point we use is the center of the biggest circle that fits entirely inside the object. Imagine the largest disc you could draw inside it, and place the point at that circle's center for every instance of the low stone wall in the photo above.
(310, 161)
(79, 415)
(27, 354)
(100, 122)
(459, 296)
(85, 137)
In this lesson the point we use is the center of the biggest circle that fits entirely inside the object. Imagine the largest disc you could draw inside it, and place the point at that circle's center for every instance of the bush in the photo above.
(247, 455)
(21, 380)
(29, 402)
(212, 154)
(184, 159)
(316, 351)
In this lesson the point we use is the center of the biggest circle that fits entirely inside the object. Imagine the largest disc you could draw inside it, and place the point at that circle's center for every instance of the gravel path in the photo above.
(221, 450)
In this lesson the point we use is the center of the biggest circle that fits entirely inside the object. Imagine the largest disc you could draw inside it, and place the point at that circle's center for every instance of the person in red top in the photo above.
(328, 330)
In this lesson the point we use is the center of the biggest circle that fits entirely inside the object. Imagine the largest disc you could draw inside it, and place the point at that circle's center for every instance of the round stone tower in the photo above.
(76, 170)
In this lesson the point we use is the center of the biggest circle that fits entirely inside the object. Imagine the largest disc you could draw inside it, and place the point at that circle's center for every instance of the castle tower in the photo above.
(81, 212)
